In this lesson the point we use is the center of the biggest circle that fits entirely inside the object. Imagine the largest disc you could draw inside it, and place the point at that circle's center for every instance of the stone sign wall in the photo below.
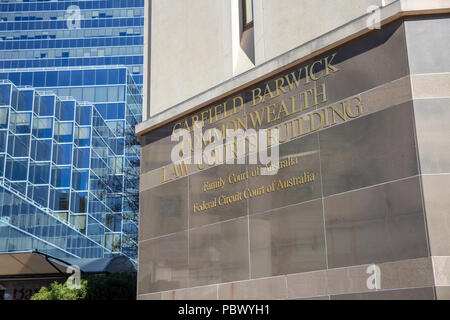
(348, 192)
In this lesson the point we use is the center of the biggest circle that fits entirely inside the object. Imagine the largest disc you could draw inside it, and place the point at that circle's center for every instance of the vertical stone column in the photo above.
(428, 47)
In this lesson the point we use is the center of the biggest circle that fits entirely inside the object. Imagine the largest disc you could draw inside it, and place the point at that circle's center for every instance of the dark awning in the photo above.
(103, 265)
(37, 264)
(30, 265)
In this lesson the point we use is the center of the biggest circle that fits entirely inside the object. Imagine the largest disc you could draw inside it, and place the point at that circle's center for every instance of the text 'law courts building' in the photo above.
(357, 95)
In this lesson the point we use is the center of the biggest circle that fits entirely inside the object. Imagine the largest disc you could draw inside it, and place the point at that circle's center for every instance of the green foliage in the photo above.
(116, 286)
(58, 291)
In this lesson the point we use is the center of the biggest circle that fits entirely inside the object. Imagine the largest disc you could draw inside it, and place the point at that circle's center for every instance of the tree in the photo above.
(131, 170)
(115, 286)
(124, 186)
(60, 291)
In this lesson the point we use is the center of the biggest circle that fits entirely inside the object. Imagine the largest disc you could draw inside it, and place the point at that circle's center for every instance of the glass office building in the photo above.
(62, 179)
(85, 57)
(47, 34)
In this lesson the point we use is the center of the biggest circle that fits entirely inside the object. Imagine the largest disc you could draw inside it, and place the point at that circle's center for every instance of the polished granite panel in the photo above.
(163, 263)
(289, 240)
(387, 95)
(403, 294)
(369, 62)
(428, 44)
(219, 253)
(437, 203)
(151, 296)
(303, 156)
(202, 293)
(164, 209)
(225, 208)
(315, 298)
(370, 150)
(155, 155)
(156, 149)
(412, 273)
(376, 224)
(308, 284)
(347, 280)
(433, 132)
(263, 289)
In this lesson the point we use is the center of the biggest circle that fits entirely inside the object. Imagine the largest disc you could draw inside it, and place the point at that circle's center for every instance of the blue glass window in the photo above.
(79, 222)
(79, 202)
(113, 76)
(41, 150)
(113, 222)
(14, 77)
(80, 180)
(42, 127)
(61, 177)
(64, 132)
(4, 118)
(115, 203)
(27, 79)
(65, 110)
(89, 77)
(102, 109)
(89, 94)
(40, 195)
(20, 101)
(52, 79)
(20, 122)
(39, 79)
(62, 154)
(27, 104)
(39, 173)
(16, 170)
(83, 136)
(94, 228)
(120, 110)
(101, 77)
(76, 78)
(18, 146)
(47, 106)
(3, 136)
(5, 94)
(59, 199)
(2, 164)
(101, 94)
(84, 115)
(81, 157)
(64, 78)
(121, 96)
